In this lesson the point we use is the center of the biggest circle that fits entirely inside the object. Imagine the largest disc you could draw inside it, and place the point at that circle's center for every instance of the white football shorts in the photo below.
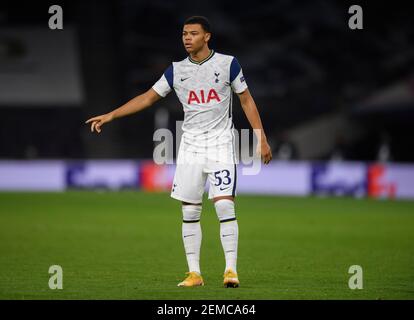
(194, 168)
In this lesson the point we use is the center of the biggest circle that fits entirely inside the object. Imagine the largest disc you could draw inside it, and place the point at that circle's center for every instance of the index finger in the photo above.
(92, 119)
(267, 158)
(93, 125)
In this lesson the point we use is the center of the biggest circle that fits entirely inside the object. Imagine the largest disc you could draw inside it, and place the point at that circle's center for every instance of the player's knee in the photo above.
(225, 210)
(191, 212)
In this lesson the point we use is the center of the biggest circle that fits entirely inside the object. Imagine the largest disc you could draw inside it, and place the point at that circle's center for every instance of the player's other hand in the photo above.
(98, 121)
(265, 152)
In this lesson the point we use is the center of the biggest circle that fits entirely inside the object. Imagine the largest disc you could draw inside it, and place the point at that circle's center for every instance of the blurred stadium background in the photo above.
(337, 106)
(325, 92)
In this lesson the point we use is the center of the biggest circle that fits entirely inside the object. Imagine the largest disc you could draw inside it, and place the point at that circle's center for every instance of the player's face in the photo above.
(194, 37)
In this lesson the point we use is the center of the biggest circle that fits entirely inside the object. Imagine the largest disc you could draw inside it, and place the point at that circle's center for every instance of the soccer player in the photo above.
(204, 83)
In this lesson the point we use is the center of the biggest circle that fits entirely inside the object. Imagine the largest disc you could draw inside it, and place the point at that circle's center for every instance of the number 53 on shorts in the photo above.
(190, 180)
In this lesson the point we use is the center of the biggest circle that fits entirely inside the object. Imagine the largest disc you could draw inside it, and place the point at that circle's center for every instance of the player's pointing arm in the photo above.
(159, 90)
(132, 106)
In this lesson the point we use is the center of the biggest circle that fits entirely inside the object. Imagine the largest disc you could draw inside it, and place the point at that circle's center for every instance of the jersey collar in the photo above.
(204, 60)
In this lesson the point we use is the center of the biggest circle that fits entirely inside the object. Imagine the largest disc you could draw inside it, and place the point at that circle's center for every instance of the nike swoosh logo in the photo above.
(183, 79)
(222, 189)
(189, 235)
(226, 235)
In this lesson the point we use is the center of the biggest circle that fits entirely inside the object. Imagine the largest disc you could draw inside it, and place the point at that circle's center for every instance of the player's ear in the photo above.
(207, 36)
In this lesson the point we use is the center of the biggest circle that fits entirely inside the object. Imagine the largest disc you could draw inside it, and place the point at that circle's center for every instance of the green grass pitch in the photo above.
(127, 245)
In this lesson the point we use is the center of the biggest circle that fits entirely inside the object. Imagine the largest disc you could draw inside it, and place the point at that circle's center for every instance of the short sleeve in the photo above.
(237, 81)
(165, 84)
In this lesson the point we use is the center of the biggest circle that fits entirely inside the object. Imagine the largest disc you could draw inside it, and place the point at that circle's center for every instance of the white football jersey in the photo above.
(205, 90)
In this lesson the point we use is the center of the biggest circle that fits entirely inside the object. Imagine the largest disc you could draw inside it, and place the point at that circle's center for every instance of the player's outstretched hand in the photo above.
(97, 122)
(264, 150)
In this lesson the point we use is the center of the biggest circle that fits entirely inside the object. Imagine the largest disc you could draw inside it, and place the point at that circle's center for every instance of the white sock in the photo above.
(229, 231)
(229, 234)
(191, 234)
